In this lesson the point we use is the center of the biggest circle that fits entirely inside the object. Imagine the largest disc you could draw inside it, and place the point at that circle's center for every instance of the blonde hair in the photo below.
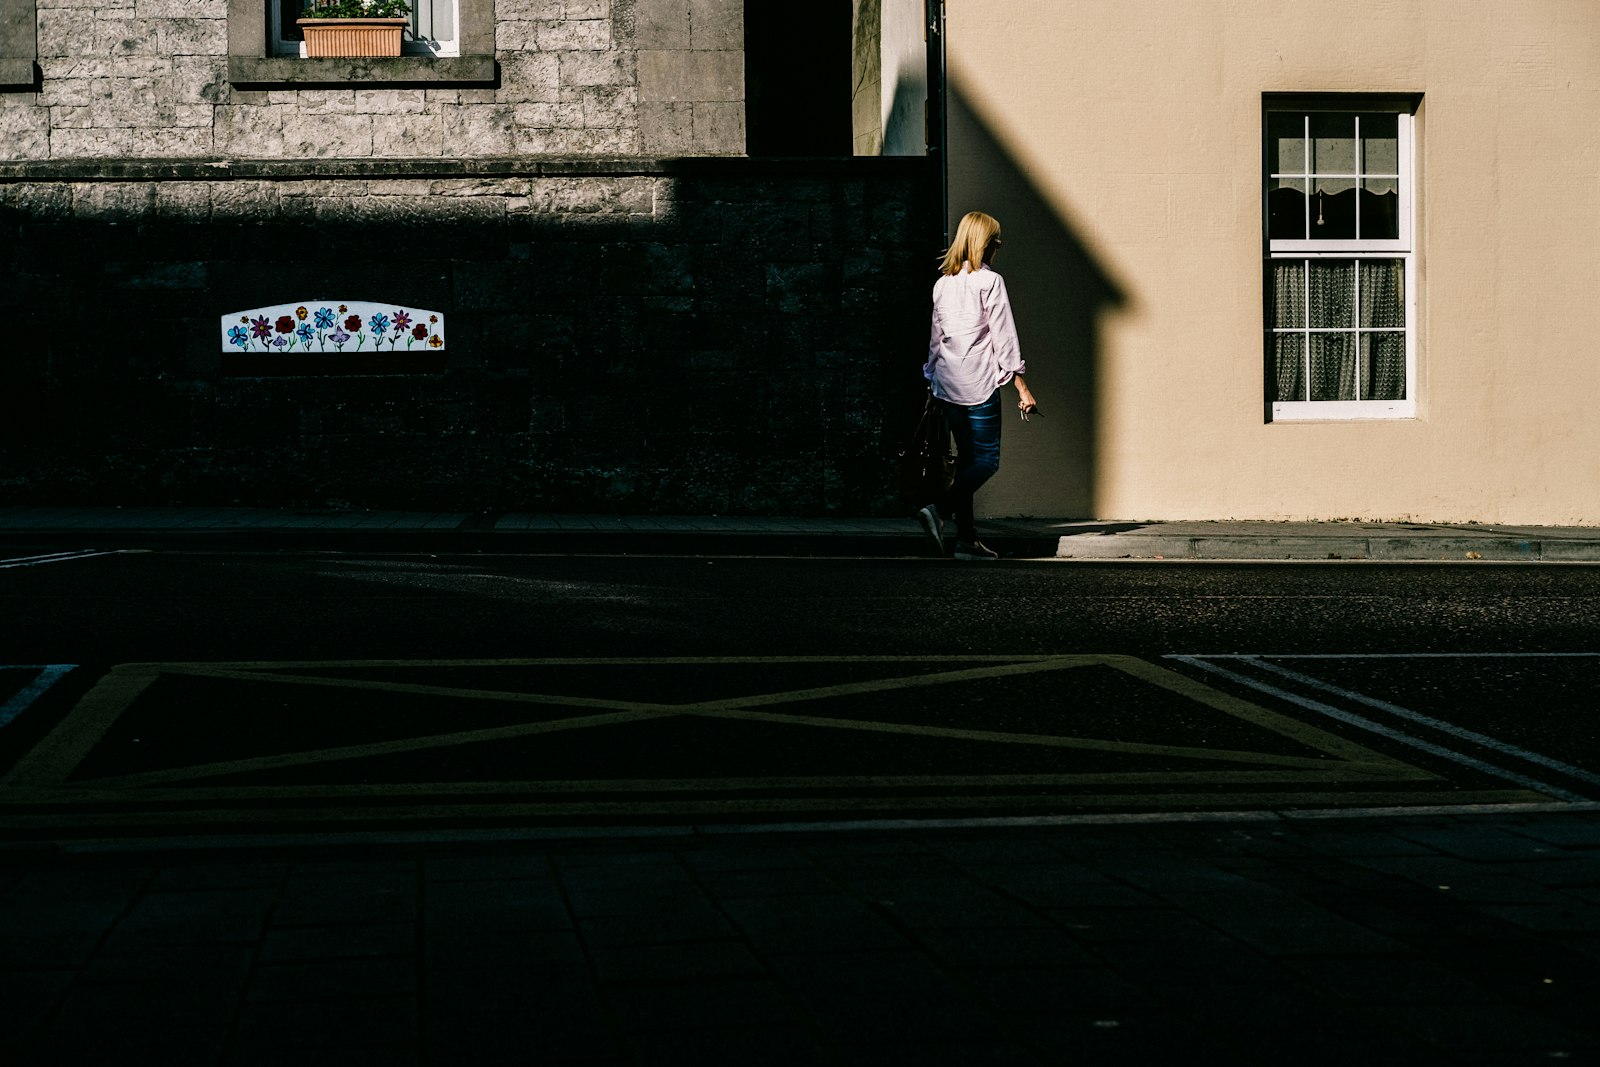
(973, 237)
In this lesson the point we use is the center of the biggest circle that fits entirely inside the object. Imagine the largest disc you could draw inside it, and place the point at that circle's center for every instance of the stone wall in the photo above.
(723, 336)
(165, 79)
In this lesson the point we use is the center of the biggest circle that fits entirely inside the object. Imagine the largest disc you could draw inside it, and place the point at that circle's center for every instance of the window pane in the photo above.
(433, 20)
(1333, 143)
(1380, 208)
(1383, 366)
(1333, 209)
(1288, 366)
(1333, 366)
(1333, 293)
(1286, 144)
(1383, 292)
(1286, 209)
(288, 11)
(1380, 144)
(1288, 299)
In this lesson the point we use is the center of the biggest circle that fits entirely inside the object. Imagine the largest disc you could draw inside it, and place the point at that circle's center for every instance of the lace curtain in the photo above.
(1338, 329)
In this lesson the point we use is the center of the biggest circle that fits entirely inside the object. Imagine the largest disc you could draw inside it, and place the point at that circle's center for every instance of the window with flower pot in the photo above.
(429, 28)
(1341, 265)
(445, 42)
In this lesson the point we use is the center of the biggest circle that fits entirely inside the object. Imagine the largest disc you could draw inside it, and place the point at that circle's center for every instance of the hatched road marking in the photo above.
(1289, 763)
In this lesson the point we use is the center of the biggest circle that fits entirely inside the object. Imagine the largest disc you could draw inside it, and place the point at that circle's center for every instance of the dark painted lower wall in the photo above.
(698, 336)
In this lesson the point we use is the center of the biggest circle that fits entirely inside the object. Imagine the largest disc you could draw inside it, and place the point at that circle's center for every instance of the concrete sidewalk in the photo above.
(1410, 940)
(746, 535)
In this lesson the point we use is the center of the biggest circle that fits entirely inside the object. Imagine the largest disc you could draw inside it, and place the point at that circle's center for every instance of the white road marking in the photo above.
(49, 675)
(1378, 728)
(59, 557)
(1438, 724)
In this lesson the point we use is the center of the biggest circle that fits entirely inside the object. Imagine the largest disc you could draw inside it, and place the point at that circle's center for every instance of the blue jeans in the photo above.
(976, 431)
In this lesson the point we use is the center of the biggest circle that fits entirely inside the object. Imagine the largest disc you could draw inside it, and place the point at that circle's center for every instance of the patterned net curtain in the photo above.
(1338, 329)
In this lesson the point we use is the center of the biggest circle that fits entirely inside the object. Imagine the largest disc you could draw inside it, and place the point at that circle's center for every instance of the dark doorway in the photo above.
(797, 78)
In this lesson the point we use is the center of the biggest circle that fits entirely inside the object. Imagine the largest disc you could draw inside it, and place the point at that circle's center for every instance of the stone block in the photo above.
(42, 201)
(180, 9)
(529, 10)
(597, 68)
(249, 131)
(192, 37)
(587, 9)
(24, 129)
(549, 116)
(661, 24)
(97, 143)
(579, 196)
(588, 35)
(175, 142)
(389, 101)
(63, 92)
(326, 101)
(666, 128)
(532, 76)
(716, 24)
(610, 108)
(183, 201)
(516, 36)
(244, 201)
(418, 135)
(327, 135)
(692, 76)
(719, 128)
(64, 31)
(477, 130)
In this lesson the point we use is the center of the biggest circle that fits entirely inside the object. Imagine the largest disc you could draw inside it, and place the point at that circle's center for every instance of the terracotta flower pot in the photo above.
(353, 37)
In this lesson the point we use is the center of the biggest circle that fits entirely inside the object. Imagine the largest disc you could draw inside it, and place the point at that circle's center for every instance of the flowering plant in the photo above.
(355, 9)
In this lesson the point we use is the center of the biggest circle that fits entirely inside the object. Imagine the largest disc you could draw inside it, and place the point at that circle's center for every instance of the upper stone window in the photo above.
(18, 44)
(451, 43)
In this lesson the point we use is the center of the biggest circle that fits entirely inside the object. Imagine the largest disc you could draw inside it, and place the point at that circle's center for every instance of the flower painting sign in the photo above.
(332, 327)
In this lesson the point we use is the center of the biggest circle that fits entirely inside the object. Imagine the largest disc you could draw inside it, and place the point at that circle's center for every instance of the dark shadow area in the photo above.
(734, 349)
(1059, 293)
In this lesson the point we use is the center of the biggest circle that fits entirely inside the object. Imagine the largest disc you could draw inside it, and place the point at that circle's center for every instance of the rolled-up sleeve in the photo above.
(1003, 334)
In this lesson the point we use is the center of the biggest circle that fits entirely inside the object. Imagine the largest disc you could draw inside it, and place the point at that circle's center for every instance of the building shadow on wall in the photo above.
(1060, 295)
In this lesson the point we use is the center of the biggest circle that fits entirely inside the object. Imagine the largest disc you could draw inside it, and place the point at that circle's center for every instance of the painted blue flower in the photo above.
(379, 322)
(239, 336)
(324, 318)
(305, 333)
(339, 337)
(280, 342)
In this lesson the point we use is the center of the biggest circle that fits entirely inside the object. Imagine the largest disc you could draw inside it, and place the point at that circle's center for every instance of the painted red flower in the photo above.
(285, 324)
(420, 333)
(353, 323)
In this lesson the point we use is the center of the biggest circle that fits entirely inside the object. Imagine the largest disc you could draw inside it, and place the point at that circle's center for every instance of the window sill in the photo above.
(253, 72)
(1343, 410)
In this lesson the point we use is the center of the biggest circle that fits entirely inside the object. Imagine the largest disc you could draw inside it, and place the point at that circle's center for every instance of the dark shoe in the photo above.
(933, 526)
(975, 550)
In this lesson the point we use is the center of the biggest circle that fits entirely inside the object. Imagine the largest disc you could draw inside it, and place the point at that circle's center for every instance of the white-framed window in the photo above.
(1341, 272)
(433, 30)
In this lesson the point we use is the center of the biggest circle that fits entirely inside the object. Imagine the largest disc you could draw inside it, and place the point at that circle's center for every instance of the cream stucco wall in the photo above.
(1120, 145)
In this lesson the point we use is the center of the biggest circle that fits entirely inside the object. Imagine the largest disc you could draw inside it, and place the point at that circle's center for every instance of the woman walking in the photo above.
(972, 353)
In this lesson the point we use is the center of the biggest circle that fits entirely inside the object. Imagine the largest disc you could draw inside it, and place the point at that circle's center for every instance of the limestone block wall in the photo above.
(701, 336)
(190, 79)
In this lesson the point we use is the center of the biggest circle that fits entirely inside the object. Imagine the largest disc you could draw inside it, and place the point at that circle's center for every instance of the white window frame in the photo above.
(1403, 247)
(411, 44)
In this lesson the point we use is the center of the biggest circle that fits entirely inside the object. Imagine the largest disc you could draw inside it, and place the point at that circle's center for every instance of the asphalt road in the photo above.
(145, 692)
